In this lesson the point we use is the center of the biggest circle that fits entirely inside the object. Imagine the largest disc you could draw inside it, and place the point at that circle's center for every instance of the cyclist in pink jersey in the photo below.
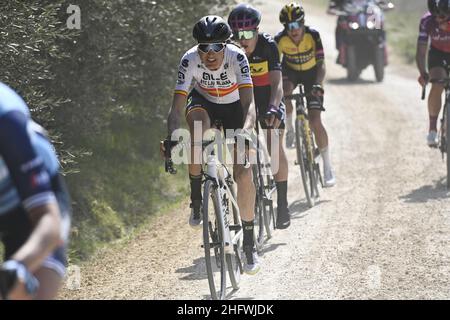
(434, 29)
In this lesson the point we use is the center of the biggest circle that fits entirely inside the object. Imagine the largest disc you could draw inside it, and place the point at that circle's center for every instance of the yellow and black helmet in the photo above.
(292, 12)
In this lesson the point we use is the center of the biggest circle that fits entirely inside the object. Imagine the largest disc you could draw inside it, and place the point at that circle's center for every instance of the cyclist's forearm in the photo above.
(276, 88)
(174, 118)
(248, 107)
(173, 122)
(321, 71)
(249, 116)
(44, 239)
(421, 57)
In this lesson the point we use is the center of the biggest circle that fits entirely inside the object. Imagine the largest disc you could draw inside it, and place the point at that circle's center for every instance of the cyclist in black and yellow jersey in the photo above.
(303, 63)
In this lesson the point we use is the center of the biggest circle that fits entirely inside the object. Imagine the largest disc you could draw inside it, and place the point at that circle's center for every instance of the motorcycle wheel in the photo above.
(378, 64)
(352, 68)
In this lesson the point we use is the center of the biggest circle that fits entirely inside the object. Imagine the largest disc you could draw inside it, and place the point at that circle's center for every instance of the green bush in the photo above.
(402, 25)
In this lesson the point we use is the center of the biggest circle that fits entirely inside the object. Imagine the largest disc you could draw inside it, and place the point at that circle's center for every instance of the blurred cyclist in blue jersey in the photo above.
(34, 206)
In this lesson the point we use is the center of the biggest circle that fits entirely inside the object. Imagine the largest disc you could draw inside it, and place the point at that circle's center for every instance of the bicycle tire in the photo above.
(213, 234)
(259, 209)
(313, 167)
(318, 178)
(234, 263)
(302, 161)
(447, 138)
(267, 182)
(314, 171)
(268, 212)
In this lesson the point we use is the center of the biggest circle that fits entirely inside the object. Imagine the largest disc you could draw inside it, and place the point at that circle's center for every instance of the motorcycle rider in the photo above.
(339, 5)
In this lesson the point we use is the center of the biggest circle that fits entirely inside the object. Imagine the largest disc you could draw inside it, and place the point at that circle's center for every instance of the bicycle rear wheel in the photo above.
(306, 169)
(213, 242)
(269, 184)
(318, 179)
(447, 140)
(259, 208)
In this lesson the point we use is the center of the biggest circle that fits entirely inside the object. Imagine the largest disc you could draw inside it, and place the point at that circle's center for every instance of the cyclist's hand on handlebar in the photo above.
(162, 149)
(271, 121)
(16, 279)
(423, 79)
(165, 147)
(317, 90)
(274, 116)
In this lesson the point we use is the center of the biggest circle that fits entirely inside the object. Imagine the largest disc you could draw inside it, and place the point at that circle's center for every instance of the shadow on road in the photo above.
(428, 192)
(298, 208)
(197, 271)
(270, 247)
(345, 82)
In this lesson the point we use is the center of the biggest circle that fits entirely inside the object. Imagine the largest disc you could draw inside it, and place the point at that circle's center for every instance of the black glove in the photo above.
(168, 145)
(12, 271)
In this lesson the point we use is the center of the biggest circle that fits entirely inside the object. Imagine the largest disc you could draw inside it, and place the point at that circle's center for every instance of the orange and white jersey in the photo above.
(220, 86)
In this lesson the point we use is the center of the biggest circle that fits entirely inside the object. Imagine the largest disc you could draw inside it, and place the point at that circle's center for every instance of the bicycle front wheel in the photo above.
(306, 169)
(234, 261)
(213, 242)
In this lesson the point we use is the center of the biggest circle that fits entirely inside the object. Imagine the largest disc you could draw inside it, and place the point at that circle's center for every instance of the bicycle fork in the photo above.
(220, 190)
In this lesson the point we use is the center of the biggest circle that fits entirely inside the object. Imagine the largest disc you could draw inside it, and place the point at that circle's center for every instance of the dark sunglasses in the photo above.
(244, 34)
(293, 25)
(207, 47)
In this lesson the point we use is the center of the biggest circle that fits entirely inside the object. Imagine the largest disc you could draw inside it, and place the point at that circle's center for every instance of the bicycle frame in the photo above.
(302, 116)
(221, 183)
(265, 187)
(264, 156)
(225, 218)
(306, 149)
(217, 230)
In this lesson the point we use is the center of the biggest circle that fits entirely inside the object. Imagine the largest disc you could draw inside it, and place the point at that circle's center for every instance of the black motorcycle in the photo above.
(360, 37)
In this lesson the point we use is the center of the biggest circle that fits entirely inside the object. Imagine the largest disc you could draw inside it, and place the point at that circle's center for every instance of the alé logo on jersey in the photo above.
(208, 79)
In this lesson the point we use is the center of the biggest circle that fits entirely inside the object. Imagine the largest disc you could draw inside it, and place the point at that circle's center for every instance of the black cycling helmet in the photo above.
(292, 12)
(211, 29)
(244, 17)
(438, 7)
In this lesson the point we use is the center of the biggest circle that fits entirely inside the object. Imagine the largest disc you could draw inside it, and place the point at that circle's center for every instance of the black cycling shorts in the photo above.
(16, 228)
(262, 100)
(307, 79)
(437, 58)
(231, 115)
